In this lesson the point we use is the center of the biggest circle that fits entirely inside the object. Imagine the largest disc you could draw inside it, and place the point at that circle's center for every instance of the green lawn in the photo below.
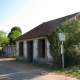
(70, 71)
(73, 71)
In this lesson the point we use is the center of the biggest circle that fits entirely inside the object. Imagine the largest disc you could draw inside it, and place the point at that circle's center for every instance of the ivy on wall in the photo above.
(54, 47)
(72, 54)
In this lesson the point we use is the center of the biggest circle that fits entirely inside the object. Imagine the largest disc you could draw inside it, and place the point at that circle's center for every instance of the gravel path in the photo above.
(13, 70)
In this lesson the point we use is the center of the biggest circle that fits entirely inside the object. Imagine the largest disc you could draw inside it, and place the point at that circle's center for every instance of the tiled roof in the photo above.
(46, 27)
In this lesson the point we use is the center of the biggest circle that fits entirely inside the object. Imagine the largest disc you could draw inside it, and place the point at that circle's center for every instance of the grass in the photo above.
(44, 66)
(73, 71)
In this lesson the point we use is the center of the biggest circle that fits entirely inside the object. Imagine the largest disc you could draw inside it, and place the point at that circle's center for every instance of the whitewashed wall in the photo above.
(17, 49)
(25, 49)
(35, 42)
(35, 49)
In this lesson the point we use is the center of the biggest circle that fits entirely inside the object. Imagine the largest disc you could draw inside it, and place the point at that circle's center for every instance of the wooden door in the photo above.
(30, 51)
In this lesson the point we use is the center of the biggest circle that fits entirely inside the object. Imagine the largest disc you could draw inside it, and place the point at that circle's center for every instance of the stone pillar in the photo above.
(25, 50)
(17, 49)
(35, 49)
(46, 56)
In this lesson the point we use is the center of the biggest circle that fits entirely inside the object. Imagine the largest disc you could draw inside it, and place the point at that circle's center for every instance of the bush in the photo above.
(71, 30)
(72, 57)
(77, 57)
(0, 50)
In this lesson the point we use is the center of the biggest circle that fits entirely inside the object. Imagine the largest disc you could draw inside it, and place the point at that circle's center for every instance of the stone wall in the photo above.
(36, 58)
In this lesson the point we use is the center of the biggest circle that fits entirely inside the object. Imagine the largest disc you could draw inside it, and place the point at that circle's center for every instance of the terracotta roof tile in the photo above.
(45, 28)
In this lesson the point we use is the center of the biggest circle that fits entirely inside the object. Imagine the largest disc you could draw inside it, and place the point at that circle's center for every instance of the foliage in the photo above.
(55, 47)
(73, 71)
(14, 33)
(16, 28)
(70, 71)
(3, 38)
(72, 31)
(0, 50)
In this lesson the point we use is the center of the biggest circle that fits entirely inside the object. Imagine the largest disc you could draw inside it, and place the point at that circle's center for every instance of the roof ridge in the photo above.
(64, 16)
(45, 28)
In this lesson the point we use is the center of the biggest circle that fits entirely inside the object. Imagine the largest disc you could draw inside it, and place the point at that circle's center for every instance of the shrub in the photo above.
(71, 54)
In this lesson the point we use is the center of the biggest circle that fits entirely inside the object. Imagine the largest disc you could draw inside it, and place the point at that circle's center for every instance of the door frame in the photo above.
(21, 49)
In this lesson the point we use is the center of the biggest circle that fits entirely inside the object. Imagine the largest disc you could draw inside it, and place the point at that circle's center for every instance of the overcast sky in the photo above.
(27, 14)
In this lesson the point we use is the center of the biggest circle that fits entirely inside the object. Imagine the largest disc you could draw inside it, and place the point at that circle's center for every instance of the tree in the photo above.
(16, 28)
(14, 33)
(72, 32)
(72, 54)
(3, 38)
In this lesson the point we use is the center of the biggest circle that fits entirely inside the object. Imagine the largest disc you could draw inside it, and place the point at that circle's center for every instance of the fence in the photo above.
(9, 51)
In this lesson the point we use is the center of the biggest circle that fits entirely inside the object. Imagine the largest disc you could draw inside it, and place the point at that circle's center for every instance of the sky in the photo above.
(28, 14)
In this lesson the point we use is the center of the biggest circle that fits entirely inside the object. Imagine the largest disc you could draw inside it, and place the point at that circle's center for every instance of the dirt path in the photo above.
(13, 70)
